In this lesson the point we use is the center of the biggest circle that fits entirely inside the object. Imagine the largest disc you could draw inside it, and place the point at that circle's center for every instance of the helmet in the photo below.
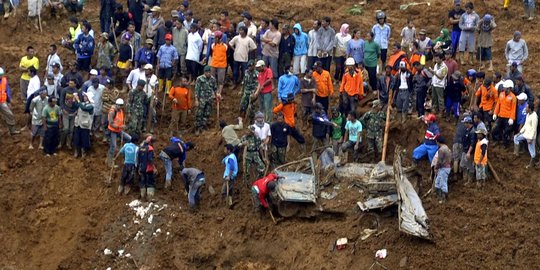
(508, 84)
(1, 71)
(471, 73)
(271, 185)
(119, 101)
(430, 117)
(218, 34)
(350, 61)
(380, 15)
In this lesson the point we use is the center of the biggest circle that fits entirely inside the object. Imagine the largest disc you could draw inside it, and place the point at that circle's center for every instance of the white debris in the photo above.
(107, 251)
(139, 233)
(134, 203)
(381, 254)
(108, 268)
(120, 252)
(136, 222)
(124, 225)
(168, 233)
(154, 234)
(156, 206)
(158, 230)
(150, 218)
(128, 255)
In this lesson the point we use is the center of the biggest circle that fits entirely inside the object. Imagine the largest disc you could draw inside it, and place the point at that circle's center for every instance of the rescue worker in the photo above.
(374, 121)
(231, 170)
(135, 108)
(488, 99)
(481, 157)
(205, 91)
(404, 91)
(352, 87)
(429, 146)
(146, 167)
(5, 100)
(468, 141)
(176, 149)
(261, 190)
(442, 169)
(193, 181)
(116, 119)
(504, 114)
(528, 133)
(249, 86)
(279, 141)
(252, 159)
(130, 151)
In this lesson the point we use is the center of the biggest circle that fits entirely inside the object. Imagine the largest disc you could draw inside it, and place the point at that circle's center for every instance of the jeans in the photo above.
(372, 73)
(420, 100)
(239, 69)
(68, 125)
(531, 146)
(147, 180)
(194, 193)
(452, 106)
(340, 67)
(167, 163)
(425, 149)
(350, 145)
(455, 41)
(272, 62)
(441, 182)
(112, 142)
(266, 106)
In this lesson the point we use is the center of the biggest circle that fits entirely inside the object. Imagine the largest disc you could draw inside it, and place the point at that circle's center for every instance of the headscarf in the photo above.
(344, 30)
(445, 38)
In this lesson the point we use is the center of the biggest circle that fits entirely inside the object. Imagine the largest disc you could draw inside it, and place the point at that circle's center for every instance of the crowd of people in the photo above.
(186, 62)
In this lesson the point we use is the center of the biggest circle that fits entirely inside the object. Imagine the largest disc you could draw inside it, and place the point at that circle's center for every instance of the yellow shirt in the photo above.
(26, 63)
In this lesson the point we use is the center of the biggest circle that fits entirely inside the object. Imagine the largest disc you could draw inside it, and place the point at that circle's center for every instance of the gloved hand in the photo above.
(494, 117)
(510, 122)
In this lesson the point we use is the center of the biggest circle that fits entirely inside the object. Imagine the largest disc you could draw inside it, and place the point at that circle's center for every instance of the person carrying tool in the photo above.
(429, 146)
(228, 134)
(193, 181)
(252, 159)
(481, 156)
(205, 91)
(442, 168)
(145, 158)
(130, 151)
(115, 128)
(261, 189)
(231, 167)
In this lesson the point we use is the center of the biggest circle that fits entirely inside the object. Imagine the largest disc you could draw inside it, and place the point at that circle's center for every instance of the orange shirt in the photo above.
(488, 97)
(219, 55)
(288, 111)
(353, 85)
(506, 105)
(324, 83)
(415, 57)
(183, 96)
(478, 152)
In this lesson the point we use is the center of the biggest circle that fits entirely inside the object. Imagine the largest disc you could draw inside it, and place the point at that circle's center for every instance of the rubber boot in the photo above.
(531, 164)
(150, 193)
(471, 58)
(120, 189)
(168, 85)
(444, 196)
(168, 185)
(143, 193)
(462, 58)
(516, 150)
(466, 178)
(68, 142)
(403, 117)
(76, 153)
(456, 167)
(527, 12)
(83, 153)
(127, 188)
(160, 85)
(13, 130)
(490, 68)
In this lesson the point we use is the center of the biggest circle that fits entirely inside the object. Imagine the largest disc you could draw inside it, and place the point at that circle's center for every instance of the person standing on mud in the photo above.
(325, 88)
(374, 121)
(135, 108)
(453, 18)
(504, 114)
(69, 110)
(254, 150)
(231, 170)
(353, 138)
(180, 96)
(280, 133)
(52, 122)
(481, 157)
(5, 100)
(382, 33)
(29, 60)
(193, 181)
(265, 88)
(442, 169)
(228, 134)
(205, 91)
(145, 156)
(421, 82)
(130, 151)
(84, 47)
(438, 83)
(83, 124)
(249, 86)
(115, 128)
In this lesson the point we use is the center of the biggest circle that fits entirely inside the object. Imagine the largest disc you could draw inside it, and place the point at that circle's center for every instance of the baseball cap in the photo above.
(168, 37)
(522, 96)
(93, 72)
(260, 63)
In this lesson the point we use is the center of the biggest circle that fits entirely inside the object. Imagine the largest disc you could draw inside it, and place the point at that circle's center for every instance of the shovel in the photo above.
(211, 190)
(405, 6)
(229, 198)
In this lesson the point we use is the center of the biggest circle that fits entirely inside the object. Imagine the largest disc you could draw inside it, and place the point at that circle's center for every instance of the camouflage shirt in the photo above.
(205, 87)
(374, 123)
(109, 98)
(250, 82)
(137, 100)
(252, 142)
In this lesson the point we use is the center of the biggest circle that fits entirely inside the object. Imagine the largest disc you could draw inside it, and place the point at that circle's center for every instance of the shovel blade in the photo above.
(211, 190)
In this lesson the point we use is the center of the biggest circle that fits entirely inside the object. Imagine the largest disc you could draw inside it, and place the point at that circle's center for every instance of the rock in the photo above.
(403, 262)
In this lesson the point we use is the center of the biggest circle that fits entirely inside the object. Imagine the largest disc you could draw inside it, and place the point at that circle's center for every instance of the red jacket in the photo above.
(260, 184)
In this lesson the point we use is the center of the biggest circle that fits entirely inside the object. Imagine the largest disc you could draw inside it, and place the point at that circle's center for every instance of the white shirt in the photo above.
(134, 76)
(262, 132)
(252, 31)
(529, 128)
(98, 101)
(313, 39)
(150, 86)
(403, 80)
(52, 59)
(441, 70)
(194, 47)
(33, 86)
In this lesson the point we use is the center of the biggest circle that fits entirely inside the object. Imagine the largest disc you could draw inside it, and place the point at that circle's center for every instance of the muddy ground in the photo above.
(58, 213)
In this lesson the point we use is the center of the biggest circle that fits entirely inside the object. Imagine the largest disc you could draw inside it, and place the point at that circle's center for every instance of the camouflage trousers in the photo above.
(253, 159)
(135, 123)
(244, 102)
(278, 156)
(203, 113)
(374, 142)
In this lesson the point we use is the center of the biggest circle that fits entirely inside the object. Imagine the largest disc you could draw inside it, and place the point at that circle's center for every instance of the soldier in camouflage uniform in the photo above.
(205, 88)
(135, 109)
(374, 121)
(250, 85)
(253, 155)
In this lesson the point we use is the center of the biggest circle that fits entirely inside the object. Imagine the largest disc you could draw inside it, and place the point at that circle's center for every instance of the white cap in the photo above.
(508, 84)
(148, 66)
(522, 96)
(119, 101)
(93, 72)
(350, 62)
(1, 71)
(90, 96)
(260, 63)
(402, 64)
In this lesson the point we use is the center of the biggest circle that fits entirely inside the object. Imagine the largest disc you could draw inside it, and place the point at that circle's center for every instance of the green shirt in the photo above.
(372, 50)
(52, 115)
(337, 132)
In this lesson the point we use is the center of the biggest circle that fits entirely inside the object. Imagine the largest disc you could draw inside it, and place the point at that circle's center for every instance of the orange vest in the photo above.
(394, 60)
(118, 121)
(219, 56)
(3, 90)
(478, 153)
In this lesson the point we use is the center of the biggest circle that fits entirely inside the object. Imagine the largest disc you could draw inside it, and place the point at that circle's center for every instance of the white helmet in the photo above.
(119, 101)
(350, 62)
(1, 71)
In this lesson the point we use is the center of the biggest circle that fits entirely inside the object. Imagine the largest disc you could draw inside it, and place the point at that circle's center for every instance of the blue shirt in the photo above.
(167, 54)
(382, 35)
(354, 129)
(145, 55)
(288, 84)
(231, 165)
(521, 113)
(129, 150)
(355, 48)
(300, 41)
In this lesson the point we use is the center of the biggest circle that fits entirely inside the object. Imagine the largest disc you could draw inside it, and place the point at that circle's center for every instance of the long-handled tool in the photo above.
(405, 6)
(114, 34)
(229, 199)
(272, 216)
(38, 11)
(432, 178)
(217, 108)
